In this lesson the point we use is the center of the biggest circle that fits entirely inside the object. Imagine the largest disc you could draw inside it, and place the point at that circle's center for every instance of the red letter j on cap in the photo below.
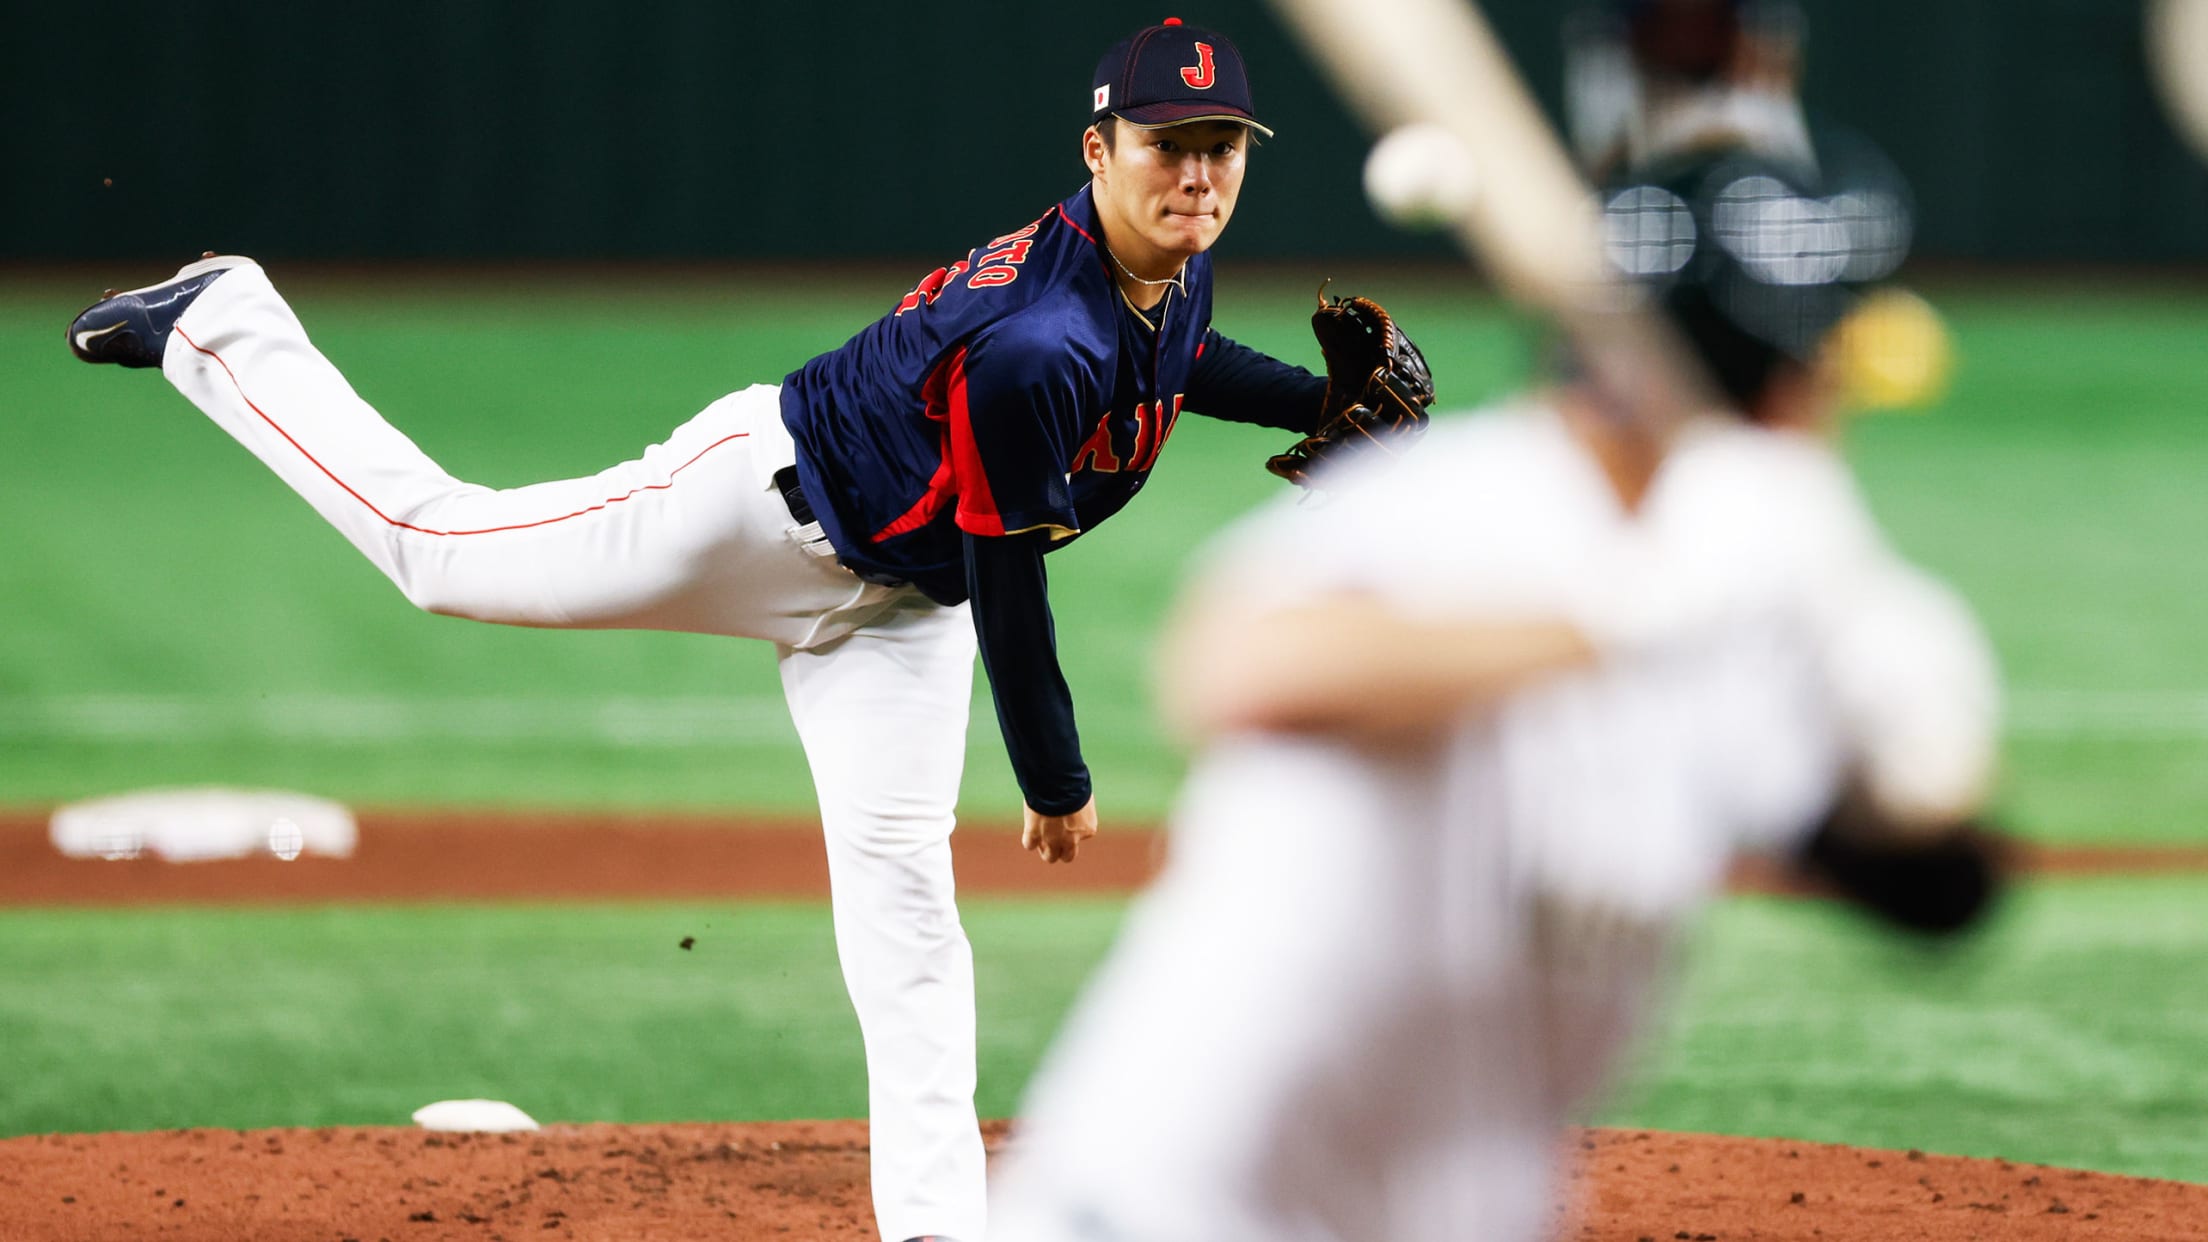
(1199, 75)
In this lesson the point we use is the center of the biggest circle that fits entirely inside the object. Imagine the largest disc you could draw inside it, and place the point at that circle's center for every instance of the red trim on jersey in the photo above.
(423, 530)
(1200, 349)
(1061, 210)
(977, 508)
(925, 509)
(942, 487)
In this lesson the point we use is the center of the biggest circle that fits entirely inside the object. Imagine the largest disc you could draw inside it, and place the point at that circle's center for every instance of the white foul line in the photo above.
(2108, 714)
(682, 722)
(642, 722)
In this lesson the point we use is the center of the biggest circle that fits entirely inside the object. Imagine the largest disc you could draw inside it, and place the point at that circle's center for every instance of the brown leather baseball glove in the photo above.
(1377, 387)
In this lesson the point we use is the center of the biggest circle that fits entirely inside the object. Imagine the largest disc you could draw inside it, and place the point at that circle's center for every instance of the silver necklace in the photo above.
(1173, 280)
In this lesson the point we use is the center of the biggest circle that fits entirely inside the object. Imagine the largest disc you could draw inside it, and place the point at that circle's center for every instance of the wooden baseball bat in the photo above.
(1534, 225)
(2177, 47)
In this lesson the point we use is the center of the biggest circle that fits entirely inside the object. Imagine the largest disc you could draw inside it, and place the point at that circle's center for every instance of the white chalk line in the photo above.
(2149, 714)
(635, 722)
(680, 722)
(643, 722)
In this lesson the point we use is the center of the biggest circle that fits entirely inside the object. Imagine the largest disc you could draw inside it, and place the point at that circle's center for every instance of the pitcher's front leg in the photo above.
(883, 718)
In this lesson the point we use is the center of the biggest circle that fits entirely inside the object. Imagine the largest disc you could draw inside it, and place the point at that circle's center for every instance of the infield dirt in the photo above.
(511, 856)
(804, 1180)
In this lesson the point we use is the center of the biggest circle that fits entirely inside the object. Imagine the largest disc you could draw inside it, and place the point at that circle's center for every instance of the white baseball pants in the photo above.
(692, 536)
(1315, 1027)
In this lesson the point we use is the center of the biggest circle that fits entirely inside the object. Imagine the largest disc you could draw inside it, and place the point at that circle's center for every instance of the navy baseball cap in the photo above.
(1172, 73)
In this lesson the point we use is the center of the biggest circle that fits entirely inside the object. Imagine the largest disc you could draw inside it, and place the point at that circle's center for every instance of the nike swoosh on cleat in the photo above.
(85, 339)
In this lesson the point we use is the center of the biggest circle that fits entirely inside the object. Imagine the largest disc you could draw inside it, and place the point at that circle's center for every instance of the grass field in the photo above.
(173, 614)
(1792, 1021)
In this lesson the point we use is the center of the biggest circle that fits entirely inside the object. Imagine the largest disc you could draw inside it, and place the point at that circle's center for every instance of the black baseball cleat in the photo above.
(131, 328)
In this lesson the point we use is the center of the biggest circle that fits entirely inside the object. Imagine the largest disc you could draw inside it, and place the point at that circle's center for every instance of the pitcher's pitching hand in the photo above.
(1058, 837)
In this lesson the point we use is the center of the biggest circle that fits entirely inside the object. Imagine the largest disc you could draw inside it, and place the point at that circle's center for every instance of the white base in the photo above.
(195, 825)
(473, 1117)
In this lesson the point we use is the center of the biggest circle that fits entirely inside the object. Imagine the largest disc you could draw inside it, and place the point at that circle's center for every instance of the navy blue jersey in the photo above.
(1012, 391)
(1008, 403)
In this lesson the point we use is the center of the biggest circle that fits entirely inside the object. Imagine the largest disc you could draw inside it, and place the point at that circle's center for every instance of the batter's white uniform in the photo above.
(1373, 983)
(692, 536)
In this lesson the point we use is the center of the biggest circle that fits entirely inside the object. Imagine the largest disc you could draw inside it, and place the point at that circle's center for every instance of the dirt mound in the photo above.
(805, 1180)
(1642, 1186)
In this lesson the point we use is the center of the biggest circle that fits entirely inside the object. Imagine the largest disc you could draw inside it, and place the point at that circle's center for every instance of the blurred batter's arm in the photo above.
(1915, 689)
(1346, 664)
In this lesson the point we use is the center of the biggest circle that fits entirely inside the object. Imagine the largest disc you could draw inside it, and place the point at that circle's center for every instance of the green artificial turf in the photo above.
(175, 615)
(2069, 1034)
(147, 1019)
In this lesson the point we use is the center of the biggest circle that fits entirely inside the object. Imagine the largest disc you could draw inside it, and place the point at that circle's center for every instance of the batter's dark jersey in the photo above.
(1015, 395)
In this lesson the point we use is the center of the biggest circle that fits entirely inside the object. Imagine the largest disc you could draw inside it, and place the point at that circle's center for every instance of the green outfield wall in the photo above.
(576, 129)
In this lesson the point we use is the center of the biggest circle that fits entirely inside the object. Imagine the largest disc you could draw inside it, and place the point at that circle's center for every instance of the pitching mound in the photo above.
(1638, 1186)
(802, 1181)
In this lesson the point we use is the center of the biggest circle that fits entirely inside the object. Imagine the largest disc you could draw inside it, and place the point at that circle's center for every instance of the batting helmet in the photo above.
(1755, 261)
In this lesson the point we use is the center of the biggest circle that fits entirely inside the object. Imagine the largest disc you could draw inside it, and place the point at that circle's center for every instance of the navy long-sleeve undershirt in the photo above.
(1241, 385)
(1009, 586)
(1009, 589)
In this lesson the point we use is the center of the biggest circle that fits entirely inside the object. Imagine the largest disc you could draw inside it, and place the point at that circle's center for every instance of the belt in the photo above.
(785, 482)
(793, 495)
